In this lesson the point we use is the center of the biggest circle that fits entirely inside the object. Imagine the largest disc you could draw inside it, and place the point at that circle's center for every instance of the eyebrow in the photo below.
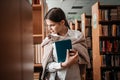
(51, 25)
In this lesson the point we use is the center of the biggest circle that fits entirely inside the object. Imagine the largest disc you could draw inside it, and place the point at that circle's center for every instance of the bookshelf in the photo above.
(16, 51)
(106, 41)
(37, 71)
(86, 25)
(38, 30)
(38, 11)
(77, 25)
(86, 29)
(72, 25)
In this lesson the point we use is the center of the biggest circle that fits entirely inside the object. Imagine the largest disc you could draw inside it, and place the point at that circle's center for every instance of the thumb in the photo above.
(67, 55)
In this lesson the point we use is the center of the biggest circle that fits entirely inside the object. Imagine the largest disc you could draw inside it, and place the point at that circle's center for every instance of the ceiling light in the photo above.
(77, 7)
(72, 12)
(62, 0)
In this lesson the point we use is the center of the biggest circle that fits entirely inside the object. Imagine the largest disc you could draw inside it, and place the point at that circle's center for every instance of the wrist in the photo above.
(63, 65)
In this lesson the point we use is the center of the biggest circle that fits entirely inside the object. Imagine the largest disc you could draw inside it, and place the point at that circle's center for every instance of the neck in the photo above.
(64, 31)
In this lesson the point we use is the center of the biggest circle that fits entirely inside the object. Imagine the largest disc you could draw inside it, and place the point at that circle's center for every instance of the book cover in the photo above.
(61, 48)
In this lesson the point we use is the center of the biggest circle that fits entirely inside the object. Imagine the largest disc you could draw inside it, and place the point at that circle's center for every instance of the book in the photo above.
(61, 49)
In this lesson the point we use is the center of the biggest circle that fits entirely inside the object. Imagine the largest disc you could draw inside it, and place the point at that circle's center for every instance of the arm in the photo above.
(53, 66)
(70, 60)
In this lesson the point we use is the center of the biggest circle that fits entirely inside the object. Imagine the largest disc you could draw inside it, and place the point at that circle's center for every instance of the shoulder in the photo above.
(45, 41)
(49, 39)
(75, 33)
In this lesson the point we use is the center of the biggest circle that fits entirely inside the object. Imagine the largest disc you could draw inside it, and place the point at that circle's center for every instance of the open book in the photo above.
(61, 49)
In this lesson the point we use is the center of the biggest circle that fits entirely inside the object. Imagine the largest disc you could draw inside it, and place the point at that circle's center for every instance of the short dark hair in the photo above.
(56, 15)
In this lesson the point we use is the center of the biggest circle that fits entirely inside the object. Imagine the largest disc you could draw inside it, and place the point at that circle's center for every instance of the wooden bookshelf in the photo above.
(86, 25)
(72, 25)
(37, 71)
(77, 25)
(106, 41)
(37, 23)
(16, 51)
(37, 67)
(38, 11)
(87, 30)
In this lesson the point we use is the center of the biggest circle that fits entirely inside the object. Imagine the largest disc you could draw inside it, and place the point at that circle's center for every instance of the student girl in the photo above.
(59, 30)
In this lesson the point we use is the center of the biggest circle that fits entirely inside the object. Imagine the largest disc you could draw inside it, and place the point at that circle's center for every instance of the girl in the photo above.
(59, 30)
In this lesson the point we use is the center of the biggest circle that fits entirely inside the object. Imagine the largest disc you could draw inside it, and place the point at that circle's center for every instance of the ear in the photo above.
(62, 22)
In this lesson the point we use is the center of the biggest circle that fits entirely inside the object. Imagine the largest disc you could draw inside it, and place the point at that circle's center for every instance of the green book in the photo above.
(61, 48)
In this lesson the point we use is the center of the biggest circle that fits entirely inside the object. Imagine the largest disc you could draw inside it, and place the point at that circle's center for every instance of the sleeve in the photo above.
(53, 66)
(83, 54)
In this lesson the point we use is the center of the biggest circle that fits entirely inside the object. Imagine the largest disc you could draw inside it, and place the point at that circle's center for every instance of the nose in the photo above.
(49, 27)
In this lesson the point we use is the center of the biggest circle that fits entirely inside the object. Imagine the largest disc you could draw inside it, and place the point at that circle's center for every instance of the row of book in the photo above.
(110, 45)
(89, 74)
(111, 75)
(90, 55)
(110, 30)
(110, 14)
(36, 76)
(89, 42)
(36, 2)
(110, 60)
(87, 22)
(37, 53)
(88, 31)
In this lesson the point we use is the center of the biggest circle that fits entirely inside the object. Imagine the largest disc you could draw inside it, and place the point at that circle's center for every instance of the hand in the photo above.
(70, 60)
(72, 52)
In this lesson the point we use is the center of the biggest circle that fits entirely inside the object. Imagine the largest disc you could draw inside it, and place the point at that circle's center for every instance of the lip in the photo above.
(51, 30)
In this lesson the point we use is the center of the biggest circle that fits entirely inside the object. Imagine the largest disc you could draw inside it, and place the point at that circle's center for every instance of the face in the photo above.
(54, 27)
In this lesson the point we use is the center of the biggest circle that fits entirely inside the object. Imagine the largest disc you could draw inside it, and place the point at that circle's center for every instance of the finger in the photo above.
(72, 51)
(76, 53)
(76, 57)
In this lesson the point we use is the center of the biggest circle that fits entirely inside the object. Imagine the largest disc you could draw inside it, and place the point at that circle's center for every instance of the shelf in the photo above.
(38, 65)
(109, 38)
(37, 35)
(103, 22)
(86, 29)
(38, 12)
(108, 6)
(38, 68)
(105, 39)
(110, 53)
(37, 40)
(88, 16)
(36, 7)
(110, 68)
